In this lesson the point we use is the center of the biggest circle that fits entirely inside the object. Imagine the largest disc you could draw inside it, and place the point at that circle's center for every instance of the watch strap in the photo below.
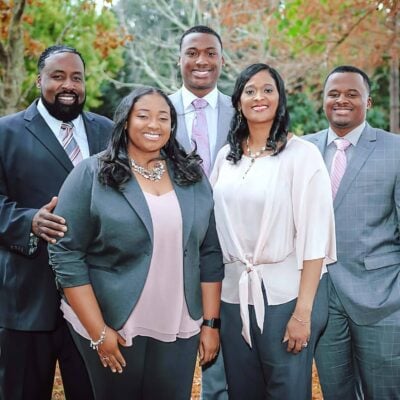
(212, 323)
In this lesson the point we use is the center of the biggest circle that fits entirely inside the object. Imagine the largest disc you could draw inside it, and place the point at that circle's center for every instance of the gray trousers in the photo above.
(358, 361)
(267, 371)
(213, 380)
(154, 370)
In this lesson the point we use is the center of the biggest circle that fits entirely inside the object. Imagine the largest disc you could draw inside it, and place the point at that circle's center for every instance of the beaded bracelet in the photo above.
(300, 320)
(95, 344)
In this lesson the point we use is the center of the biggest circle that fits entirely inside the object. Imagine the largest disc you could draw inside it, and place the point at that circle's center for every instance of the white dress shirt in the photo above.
(211, 114)
(55, 125)
(353, 137)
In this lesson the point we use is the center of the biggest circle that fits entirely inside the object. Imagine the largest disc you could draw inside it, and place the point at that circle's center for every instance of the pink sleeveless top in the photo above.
(161, 311)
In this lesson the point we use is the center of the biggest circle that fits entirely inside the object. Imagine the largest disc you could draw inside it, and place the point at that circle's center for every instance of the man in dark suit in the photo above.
(38, 148)
(200, 62)
(358, 354)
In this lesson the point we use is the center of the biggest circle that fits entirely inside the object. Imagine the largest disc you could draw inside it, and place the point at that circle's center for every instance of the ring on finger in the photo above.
(304, 345)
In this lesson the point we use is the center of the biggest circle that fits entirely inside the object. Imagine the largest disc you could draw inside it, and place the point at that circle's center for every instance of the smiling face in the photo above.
(346, 101)
(201, 61)
(149, 127)
(62, 84)
(259, 99)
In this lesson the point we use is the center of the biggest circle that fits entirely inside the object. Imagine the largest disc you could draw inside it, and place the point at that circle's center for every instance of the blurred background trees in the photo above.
(27, 27)
(127, 43)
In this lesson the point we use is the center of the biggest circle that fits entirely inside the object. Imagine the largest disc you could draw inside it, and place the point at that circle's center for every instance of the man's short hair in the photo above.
(200, 29)
(56, 49)
(354, 70)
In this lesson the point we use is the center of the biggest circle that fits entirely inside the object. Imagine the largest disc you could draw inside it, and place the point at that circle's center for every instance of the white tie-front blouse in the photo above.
(271, 216)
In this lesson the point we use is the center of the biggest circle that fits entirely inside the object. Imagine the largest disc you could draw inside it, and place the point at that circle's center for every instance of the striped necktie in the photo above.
(339, 164)
(69, 143)
(200, 134)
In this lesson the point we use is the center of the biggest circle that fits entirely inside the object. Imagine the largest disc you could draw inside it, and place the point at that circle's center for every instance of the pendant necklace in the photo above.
(153, 174)
(252, 155)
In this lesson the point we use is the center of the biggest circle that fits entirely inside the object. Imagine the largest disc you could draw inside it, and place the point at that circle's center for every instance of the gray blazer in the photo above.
(367, 214)
(225, 114)
(110, 235)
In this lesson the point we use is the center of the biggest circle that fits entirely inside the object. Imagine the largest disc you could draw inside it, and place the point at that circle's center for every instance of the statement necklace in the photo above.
(153, 174)
(257, 153)
(253, 156)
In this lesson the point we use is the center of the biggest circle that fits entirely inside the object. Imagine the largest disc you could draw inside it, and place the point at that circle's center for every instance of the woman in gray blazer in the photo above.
(140, 265)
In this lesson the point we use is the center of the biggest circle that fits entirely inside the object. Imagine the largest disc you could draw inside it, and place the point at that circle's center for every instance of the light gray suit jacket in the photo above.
(367, 213)
(225, 113)
(109, 242)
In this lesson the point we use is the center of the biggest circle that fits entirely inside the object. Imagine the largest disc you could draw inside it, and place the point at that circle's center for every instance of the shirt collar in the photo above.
(188, 97)
(54, 123)
(353, 136)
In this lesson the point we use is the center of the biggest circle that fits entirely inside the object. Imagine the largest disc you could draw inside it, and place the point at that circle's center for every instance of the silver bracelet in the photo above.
(95, 344)
(300, 320)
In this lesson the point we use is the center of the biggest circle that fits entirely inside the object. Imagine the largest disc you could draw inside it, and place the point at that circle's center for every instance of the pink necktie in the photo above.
(200, 134)
(339, 164)
(69, 143)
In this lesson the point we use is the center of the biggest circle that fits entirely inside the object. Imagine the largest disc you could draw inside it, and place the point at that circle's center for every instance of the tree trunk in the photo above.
(12, 60)
(394, 77)
(394, 95)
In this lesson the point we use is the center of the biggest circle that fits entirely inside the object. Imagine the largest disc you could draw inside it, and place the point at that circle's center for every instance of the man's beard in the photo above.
(63, 112)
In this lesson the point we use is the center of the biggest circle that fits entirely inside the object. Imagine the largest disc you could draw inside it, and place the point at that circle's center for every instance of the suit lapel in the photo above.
(362, 151)
(225, 114)
(92, 133)
(185, 195)
(181, 133)
(135, 197)
(38, 127)
(320, 140)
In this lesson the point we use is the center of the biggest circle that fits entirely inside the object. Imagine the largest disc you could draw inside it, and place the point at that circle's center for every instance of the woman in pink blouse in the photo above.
(274, 216)
(140, 265)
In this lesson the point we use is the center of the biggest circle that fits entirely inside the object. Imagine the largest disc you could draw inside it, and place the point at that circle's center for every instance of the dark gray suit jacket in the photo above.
(367, 214)
(225, 113)
(33, 166)
(109, 241)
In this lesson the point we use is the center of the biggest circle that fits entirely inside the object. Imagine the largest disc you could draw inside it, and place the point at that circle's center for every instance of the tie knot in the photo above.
(198, 104)
(342, 144)
(67, 125)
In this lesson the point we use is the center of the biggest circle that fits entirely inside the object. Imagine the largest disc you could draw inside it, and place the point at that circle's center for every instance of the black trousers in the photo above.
(28, 361)
(154, 370)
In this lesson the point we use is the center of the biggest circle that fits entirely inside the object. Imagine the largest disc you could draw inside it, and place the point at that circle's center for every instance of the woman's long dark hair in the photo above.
(239, 130)
(115, 168)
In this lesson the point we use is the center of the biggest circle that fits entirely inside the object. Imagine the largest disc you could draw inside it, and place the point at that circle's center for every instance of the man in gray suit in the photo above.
(358, 355)
(200, 62)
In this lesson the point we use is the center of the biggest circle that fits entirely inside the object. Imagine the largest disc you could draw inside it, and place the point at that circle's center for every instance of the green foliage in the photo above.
(75, 23)
(378, 118)
(378, 115)
(305, 115)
